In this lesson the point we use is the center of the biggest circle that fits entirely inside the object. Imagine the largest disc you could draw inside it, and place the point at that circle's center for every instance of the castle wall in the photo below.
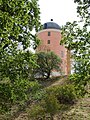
(50, 41)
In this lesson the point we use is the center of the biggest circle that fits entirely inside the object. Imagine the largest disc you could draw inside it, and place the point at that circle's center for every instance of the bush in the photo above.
(55, 99)
(47, 107)
(79, 81)
(36, 112)
(65, 94)
(39, 95)
(51, 104)
(5, 97)
(16, 93)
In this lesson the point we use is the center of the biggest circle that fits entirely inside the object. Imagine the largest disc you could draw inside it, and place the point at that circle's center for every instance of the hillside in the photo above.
(79, 111)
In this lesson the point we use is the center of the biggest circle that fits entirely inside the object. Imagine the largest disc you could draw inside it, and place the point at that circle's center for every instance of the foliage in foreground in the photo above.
(16, 78)
(77, 38)
(58, 99)
(16, 93)
(17, 20)
(80, 82)
(54, 100)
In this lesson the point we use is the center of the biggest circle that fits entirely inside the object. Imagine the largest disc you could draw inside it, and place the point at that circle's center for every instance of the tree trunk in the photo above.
(48, 75)
(52, 117)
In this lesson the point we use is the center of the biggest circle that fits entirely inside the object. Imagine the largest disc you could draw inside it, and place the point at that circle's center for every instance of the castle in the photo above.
(50, 37)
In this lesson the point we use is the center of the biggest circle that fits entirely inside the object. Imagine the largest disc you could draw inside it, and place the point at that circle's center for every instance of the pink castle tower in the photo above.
(50, 37)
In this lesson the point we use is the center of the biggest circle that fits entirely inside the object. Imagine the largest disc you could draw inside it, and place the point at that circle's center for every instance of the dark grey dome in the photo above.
(51, 25)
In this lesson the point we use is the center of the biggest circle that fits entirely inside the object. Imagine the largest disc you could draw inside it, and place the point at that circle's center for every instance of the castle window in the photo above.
(48, 41)
(49, 33)
(62, 54)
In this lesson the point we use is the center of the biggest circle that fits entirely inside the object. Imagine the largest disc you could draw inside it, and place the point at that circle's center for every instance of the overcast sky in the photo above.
(61, 11)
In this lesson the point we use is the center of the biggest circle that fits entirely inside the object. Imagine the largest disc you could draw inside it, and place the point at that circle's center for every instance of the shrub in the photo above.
(48, 106)
(79, 81)
(5, 95)
(51, 104)
(39, 95)
(16, 93)
(55, 99)
(36, 112)
(65, 94)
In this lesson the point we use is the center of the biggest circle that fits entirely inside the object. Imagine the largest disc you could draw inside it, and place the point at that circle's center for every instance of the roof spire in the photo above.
(51, 19)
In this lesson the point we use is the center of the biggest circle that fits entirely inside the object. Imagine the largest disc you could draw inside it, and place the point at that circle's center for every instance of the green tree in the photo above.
(83, 10)
(17, 19)
(77, 39)
(47, 62)
(20, 65)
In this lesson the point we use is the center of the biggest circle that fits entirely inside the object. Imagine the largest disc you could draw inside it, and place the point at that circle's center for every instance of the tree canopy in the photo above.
(17, 19)
(77, 38)
(47, 62)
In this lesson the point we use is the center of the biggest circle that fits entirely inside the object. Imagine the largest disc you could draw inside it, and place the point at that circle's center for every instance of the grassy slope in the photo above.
(80, 111)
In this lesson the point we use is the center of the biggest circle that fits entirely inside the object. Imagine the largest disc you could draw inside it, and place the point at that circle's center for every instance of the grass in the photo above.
(80, 111)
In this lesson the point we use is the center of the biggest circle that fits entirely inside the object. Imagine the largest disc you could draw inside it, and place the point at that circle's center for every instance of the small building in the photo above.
(50, 37)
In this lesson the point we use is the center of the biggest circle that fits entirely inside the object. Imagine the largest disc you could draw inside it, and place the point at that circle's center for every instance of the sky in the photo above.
(61, 11)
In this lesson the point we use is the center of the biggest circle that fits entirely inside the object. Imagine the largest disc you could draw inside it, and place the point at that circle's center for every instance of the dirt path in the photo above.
(61, 81)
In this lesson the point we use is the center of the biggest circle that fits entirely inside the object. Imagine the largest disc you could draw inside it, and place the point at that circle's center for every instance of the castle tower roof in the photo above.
(51, 25)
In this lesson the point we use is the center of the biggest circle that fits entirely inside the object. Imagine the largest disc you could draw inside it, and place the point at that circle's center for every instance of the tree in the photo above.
(47, 62)
(20, 65)
(83, 9)
(77, 39)
(17, 19)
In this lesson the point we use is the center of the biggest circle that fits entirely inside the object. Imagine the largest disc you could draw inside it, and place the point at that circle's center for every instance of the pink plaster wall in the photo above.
(54, 45)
